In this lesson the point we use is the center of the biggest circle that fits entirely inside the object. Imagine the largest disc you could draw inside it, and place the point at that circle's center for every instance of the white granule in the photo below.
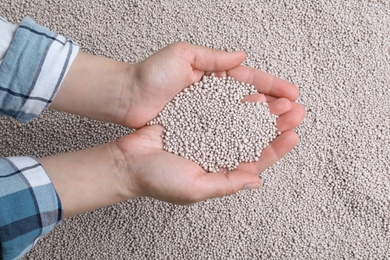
(329, 198)
(209, 124)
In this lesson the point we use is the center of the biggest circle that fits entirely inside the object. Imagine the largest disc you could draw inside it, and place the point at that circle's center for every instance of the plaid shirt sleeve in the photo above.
(33, 64)
(7, 33)
(30, 207)
(32, 70)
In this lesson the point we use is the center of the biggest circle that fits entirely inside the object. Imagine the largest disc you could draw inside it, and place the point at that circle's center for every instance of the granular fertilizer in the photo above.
(209, 124)
(329, 198)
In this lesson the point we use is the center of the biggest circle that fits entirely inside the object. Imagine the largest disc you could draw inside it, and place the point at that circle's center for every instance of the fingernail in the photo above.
(252, 186)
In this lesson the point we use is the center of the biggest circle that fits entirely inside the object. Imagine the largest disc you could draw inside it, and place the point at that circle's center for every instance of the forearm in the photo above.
(95, 87)
(87, 179)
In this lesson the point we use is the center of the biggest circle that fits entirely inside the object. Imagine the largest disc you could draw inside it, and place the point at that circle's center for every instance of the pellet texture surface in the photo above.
(209, 124)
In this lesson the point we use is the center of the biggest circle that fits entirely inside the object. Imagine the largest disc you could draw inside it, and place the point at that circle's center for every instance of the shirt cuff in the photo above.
(33, 69)
(7, 30)
(30, 206)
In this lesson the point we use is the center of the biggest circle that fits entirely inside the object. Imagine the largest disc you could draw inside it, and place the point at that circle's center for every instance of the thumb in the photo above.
(220, 184)
(207, 59)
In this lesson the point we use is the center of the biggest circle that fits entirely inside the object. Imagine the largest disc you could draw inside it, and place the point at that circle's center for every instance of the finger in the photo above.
(212, 185)
(291, 119)
(220, 73)
(207, 59)
(278, 148)
(254, 98)
(269, 98)
(264, 82)
(280, 106)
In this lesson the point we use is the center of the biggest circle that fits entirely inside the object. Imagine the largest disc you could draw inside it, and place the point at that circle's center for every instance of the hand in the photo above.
(150, 171)
(131, 95)
(136, 165)
(156, 80)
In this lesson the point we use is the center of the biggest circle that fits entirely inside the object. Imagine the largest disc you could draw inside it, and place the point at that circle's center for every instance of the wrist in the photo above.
(86, 180)
(96, 87)
(125, 167)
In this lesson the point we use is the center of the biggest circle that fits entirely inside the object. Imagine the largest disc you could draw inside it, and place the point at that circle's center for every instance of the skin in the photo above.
(136, 165)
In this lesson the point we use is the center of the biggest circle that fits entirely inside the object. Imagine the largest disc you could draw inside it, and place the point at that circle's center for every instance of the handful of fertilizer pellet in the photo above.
(207, 123)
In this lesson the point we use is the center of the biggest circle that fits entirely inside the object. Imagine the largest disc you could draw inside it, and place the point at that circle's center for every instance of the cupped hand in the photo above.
(156, 80)
(151, 171)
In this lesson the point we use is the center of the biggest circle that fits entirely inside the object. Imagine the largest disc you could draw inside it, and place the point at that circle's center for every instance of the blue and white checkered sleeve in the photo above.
(29, 205)
(7, 31)
(33, 69)
(33, 64)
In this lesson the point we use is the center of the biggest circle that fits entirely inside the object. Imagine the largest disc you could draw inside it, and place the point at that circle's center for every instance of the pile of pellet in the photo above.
(209, 124)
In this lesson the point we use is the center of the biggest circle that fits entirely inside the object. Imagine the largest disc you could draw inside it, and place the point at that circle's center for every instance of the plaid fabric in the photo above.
(30, 207)
(32, 68)
(7, 33)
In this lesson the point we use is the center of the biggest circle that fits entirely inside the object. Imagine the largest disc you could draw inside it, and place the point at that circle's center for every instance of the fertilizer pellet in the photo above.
(338, 55)
(209, 124)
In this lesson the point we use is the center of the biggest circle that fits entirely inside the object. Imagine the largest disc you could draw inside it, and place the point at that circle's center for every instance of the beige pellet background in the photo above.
(328, 199)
